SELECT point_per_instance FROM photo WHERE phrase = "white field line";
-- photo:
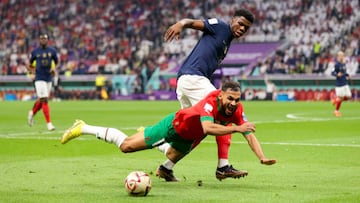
(293, 117)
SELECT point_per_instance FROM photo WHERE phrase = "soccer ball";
(138, 183)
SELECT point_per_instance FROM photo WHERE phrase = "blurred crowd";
(126, 37)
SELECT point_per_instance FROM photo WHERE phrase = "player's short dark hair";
(232, 85)
(245, 13)
(43, 34)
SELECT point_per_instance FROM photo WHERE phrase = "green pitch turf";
(318, 155)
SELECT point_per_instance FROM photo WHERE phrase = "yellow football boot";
(73, 132)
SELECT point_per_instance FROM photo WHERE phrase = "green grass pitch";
(318, 155)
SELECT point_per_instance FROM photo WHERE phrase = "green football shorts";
(164, 131)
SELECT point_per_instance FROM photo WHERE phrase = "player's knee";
(125, 147)
(128, 146)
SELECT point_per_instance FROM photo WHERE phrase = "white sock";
(110, 135)
(223, 162)
(164, 147)
(168, 164)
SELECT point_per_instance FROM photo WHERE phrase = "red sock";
(337, 103)
(46, 111)
(37, 106)
(223, 143)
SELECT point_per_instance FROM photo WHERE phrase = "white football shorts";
(343, 91)
(43, 88)
(192, 88)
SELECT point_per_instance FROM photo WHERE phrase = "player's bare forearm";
(217, 129)
(173, 32)
(211, 128)
(256, 148)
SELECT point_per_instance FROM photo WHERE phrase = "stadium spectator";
(270, 89)
(100, 81)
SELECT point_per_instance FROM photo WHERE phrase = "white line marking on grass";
(301, 117)
(294, 144)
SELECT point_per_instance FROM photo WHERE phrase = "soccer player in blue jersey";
(195, 75)
(43, 62)
(342, 89)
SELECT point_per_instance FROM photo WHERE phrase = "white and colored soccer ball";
(138, 183)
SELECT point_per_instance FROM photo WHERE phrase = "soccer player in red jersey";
(43, 62)
(184, 129)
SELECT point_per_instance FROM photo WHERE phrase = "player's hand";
(173, 32)
(52, 72)
(268, 161)
(246, 127)
(31, 76)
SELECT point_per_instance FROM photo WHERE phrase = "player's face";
(43, 39)
(229, 101)
(340, 57)
(239, 26)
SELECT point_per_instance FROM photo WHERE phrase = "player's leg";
(43, 90)
(224, 169)
(36, 107)
(177, 150)
(165, 170)
(109, 135)
(31, 114)
(340, 94)
(347, 93)
(46, 107)
(150, 137)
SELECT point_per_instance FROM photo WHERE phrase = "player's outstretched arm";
(256, 148)
(173, 32)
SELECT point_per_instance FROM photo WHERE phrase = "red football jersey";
(187, 122)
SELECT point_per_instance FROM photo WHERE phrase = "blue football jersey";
(340, 67)
(43, 59)
(209, 51)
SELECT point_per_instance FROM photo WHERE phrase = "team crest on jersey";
(44, 55)
(49, 54)
(208, 108)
